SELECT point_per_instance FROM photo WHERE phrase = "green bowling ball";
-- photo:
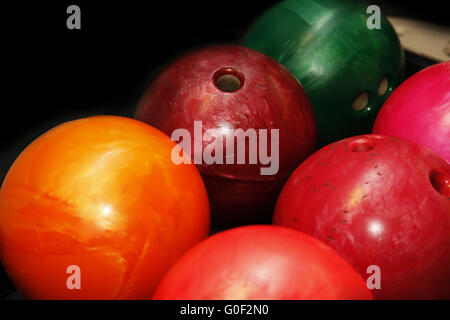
(347, 69)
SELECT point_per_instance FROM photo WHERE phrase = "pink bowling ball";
(419, 110)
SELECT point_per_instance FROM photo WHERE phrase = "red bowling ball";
(419, 110)
(218, 93)
(378, 201)
(261, 262)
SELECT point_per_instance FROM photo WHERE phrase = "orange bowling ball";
(96, 209)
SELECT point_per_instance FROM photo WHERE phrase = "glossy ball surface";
(347, 69)
(100, 193)
(419, 110)
(261, 262)
(377, 200)
(229, 88)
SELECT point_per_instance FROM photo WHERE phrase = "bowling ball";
(95, 209)
(236, 105)
(379, 201)
(346, 69)
(419, 110)
(261, 262)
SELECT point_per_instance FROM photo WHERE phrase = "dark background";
(52, 74)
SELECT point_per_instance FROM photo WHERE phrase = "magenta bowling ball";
(419, 110)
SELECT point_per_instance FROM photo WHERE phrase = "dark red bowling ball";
(377, 200)
(419, 110)
(224, 89)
